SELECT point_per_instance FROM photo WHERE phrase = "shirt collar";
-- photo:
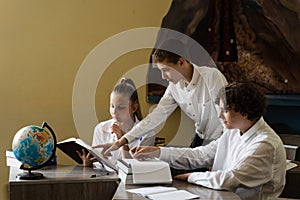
(136, 120)
(248, 134)
(192, 84)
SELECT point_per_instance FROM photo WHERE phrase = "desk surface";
(63, 183)
(56, 175)
(62, 173)
(203, 193)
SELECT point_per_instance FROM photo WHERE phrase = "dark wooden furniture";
(63, 183)
(294, 140)
(292, 186)
(291, 189)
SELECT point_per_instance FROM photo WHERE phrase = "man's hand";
(86, 158)
(104, 148)
(109, 147)
(144, 152)
(183, 177)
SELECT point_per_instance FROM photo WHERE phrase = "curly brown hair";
(245, 98)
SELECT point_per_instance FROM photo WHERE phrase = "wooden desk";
(63, 183)
(292, 185)
(203, 193)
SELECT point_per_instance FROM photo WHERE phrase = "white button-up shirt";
(103, 134)
(195, 98)
(256, 159)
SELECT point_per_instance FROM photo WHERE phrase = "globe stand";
(23, 143)
(30, 175)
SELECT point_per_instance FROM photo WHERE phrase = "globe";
(33, 146)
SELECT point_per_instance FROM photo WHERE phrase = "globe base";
(30, 175)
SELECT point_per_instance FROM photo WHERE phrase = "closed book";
(11, 160)
(9, 153)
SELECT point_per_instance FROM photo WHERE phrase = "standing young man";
(192, 88)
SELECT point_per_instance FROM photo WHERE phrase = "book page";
(290, 165)
(97, 155)
(179, 194)
(145, 191)
(154, 171)
(144, 166)
(82, 143)
(68, 140)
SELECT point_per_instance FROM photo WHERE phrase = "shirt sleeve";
(149, 140)
(101, 136)
(189, 158)
(98, 131)
(250, 170)
(164, 108)
(216, 81)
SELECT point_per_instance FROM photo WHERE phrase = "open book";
(71, 145)
(144, 172)
(290, 165)
(163, 193)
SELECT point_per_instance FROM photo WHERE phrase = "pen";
(102, 174)
(102, 164)
(138, 144)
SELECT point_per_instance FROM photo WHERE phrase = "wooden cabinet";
(63, 183)
(291, 188)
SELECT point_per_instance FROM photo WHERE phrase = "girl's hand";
(115, 128)
(86, 158)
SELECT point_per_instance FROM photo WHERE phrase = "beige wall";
(43, 44)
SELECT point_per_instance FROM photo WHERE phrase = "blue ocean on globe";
(33, 146)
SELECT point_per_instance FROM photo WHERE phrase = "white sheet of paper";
(145, 191)
(179, 194)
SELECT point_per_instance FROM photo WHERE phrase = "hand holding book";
(72, 145)
(86, 157)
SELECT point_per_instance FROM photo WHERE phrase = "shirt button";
(190, 104)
